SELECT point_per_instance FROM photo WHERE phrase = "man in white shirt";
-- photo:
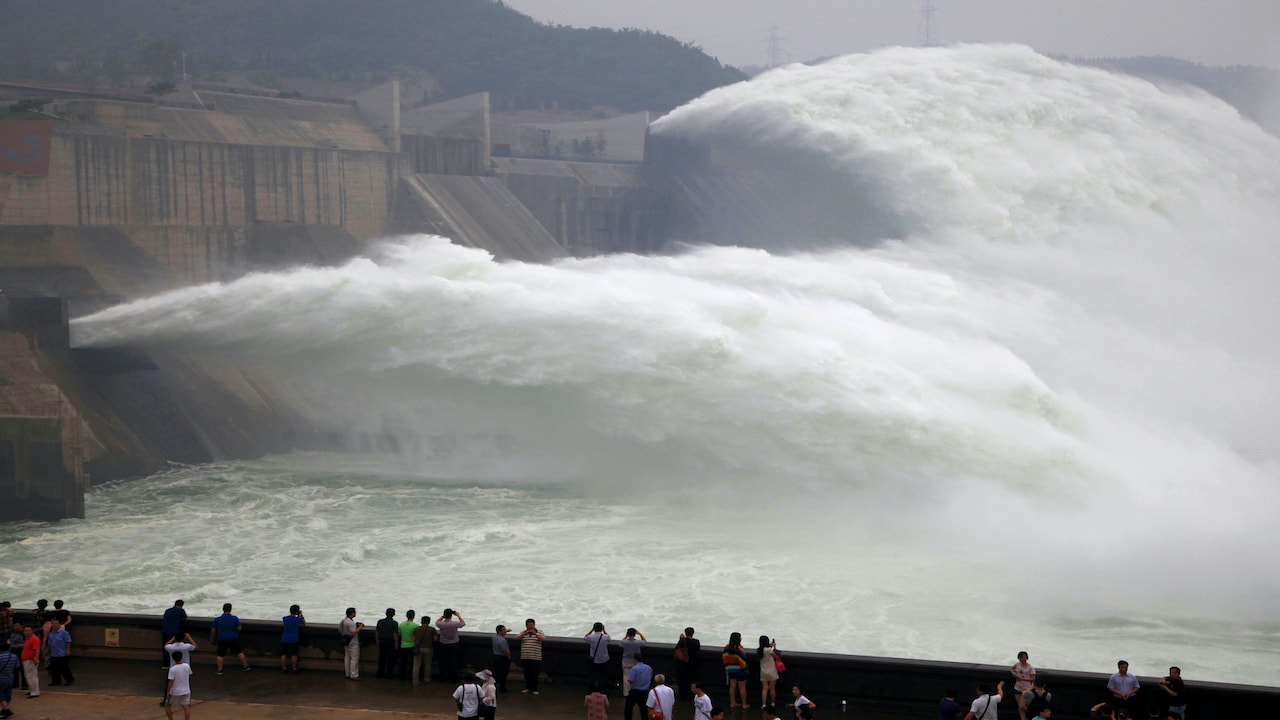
(349, 629)
(468, 695)
(182, 646)
(179, 691)
(985, 707)
(662, 697)
(701, 702)
(598, 648)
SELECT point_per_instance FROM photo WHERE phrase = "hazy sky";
(1213, 32)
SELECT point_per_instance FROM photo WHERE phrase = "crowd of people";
(25, 649)
(408, 650)
(1034, 699)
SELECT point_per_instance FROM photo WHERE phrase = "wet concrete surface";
(132, 689)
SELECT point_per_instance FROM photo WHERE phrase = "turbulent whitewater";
(1036, 414)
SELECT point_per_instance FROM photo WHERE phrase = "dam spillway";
(1061, 335)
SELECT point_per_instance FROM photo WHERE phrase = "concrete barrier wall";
(887, 686)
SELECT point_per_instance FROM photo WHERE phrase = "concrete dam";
(107, 200)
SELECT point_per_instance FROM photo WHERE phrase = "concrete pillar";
(395, 116)
(34, 481)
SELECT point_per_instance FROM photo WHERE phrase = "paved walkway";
(119, 689)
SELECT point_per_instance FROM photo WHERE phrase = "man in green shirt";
(404, 640)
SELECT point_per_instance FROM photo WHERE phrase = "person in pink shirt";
(597, 704)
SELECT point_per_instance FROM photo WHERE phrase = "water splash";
(1061, 365)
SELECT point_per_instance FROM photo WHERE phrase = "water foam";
(1053, 388)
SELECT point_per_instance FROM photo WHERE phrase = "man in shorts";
(225, 630)
(179, 692)
(182, 646)
(290, 637)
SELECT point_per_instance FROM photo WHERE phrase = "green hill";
(465, 46)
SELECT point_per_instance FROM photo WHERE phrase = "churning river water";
(1035, 410)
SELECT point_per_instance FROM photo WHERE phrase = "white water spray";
(1043, 410)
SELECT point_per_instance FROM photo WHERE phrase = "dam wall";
(192, 201)
(477, 212)
(110, 200)
(589, 208)
(861, 686)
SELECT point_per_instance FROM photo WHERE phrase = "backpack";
(1038, 702)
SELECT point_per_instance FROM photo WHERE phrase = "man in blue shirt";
(641, 677)
(290, 637)
(948, 708)
(1122, 686)
(225, 630)
(173, 625)
(501, 657)
(9, 665)
(59, 644)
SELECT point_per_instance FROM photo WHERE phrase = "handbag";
(655, 713)
(681, 654)
(780, 666)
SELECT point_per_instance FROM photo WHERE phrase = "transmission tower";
(927, 32)
(774, 47)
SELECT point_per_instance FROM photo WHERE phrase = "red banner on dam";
(24, 146)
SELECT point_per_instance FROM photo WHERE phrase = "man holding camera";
(349, 629)
(1172, 684)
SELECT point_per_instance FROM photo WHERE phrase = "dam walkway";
(113, 689)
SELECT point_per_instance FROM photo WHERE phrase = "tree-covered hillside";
(465, 46)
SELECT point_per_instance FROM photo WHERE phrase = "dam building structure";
(104, 200)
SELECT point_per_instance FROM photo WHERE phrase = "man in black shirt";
(1177, 692)
(687, 649)
(385, 637)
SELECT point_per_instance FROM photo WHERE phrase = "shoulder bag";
(655, 713)
(681, 653)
